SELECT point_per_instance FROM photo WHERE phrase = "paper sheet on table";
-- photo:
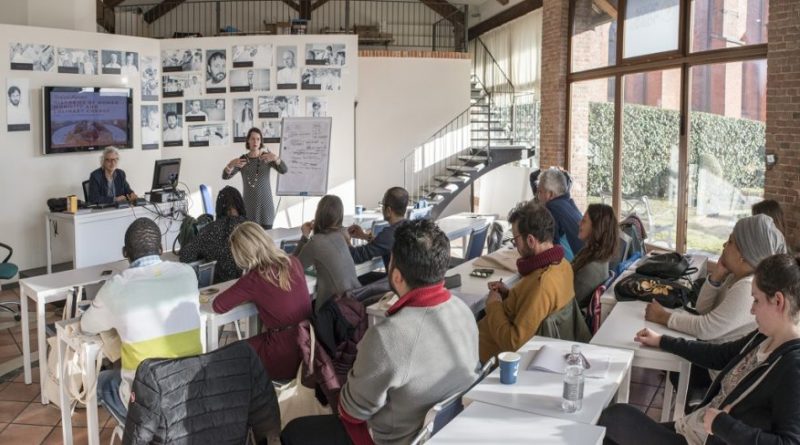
(499, 259)
(550, 359)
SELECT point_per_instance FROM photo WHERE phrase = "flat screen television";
(86, 118)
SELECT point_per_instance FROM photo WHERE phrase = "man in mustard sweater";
(513, 315)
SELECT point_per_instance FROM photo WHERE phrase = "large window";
(592, 148)
(726, 150)
(690, 111)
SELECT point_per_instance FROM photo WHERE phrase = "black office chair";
(8, 271)
(85, 185)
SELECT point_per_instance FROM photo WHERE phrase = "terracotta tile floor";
(24, 420)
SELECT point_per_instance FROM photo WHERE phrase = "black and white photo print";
(31, 57)
(18, 105)
(172, 124)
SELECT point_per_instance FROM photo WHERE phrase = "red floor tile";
(24, 434)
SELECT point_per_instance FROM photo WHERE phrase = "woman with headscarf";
(211, 244)
(725, 298)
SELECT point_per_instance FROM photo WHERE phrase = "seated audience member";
(771, 208)
(108, 184)
(598, 231)
(395, 201)
(725, 296)
(754, 398)
(423, 352)
(553, 193)
(276, 284)
(513, 316)
(153, 305)
(327, 251)
(211, 244)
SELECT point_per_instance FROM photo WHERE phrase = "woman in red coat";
(276, 284)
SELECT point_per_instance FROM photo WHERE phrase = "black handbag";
(670, 266)
(646, 288)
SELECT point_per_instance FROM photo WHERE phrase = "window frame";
(682, 58)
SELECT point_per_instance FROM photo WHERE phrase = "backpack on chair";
(189, 229)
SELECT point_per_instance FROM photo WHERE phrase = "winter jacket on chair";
(339, 326)
(214, 398)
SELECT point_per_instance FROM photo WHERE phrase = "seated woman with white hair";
(108, 184)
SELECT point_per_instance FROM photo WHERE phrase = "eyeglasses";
(112, 159)
(514, 240)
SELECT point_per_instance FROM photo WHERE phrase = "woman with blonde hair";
(276, 284)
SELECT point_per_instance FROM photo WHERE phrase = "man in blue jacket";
(553, 192)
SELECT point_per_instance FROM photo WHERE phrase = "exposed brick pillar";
(555, 44)
(783, 111)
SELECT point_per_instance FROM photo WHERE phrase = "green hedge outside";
(728, 146)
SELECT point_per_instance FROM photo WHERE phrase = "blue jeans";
(108, 394)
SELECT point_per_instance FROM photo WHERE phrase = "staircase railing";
(498, 107)
(431, 158)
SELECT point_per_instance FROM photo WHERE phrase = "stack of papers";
(554, 360)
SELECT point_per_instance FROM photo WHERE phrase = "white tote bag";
(295, 400)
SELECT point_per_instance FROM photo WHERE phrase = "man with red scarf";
(423, 352)
(513, 315)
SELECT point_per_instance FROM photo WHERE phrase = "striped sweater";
(154, 308)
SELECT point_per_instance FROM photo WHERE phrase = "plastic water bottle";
(573, 382)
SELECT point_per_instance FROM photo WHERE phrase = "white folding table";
(618, 331)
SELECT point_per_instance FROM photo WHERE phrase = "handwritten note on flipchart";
(305, 148)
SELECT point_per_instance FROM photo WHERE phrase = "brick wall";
(555, 44)
(783, 110)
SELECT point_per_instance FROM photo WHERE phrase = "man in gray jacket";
(424, 351)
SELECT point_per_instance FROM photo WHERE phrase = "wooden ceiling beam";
(159, 10)
(504, 17)
(607, 7)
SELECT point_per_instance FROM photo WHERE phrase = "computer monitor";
(165, 174)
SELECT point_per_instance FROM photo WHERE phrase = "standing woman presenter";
(255, 166)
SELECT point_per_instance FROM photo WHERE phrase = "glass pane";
(594, 34)
(650, 138)
(726, 151)
(727, 24)
(651, 26)
(592, 141)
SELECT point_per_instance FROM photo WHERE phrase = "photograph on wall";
(18, 105)
(172, 124)
(326, 79)
(316, 106)
(130, 64)
(173, 60)
(287, 74)
(242, 118)
(216, 71)
(271, 131)
(31, 57)
(249, 80)
(151, 127)
(326, 54)
(278, 106)
(252, 56)
(111, 61)
(202, 110)
(77, 61)
(173, 84)
(194, 85)
(208, 135)
(150, 79)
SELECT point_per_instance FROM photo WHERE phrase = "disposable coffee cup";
(509, 367)
(359, 209)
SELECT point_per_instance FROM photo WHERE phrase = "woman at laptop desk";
(108, 184)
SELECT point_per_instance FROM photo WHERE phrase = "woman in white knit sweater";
(724, 301)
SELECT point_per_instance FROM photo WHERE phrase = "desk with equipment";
(96, 236)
